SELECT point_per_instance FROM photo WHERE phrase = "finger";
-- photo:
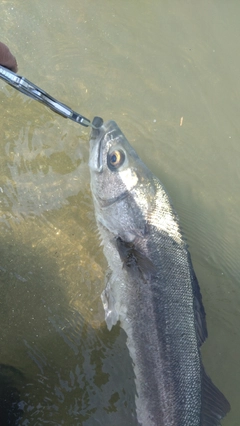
(7, 59)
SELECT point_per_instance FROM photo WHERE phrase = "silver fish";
(152, 288)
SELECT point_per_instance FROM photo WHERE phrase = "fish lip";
(96, 159)
(100, 156)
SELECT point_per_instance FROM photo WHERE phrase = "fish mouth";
(96, 140)
(108, 130)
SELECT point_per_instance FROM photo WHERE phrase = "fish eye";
(115, 159)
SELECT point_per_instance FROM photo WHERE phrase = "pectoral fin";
(134, 260)
(109, 305)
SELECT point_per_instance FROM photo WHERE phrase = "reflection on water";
(145, 66)
(80, 388)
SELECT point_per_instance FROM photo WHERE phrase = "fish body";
(152, 288)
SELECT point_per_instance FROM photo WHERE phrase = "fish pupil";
(113, 159)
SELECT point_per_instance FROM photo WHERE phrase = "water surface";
(168, 73)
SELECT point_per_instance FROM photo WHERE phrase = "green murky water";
(168, 73)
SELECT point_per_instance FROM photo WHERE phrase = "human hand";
(7, 59)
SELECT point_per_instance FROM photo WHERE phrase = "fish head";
(122, 186)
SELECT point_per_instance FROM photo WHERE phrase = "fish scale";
(173, 363)
(152, 289)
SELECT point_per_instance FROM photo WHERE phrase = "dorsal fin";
(199, 311)
(214, 404)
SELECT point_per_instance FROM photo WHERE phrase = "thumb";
(7, 59)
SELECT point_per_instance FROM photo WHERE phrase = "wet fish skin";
(152, 288)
